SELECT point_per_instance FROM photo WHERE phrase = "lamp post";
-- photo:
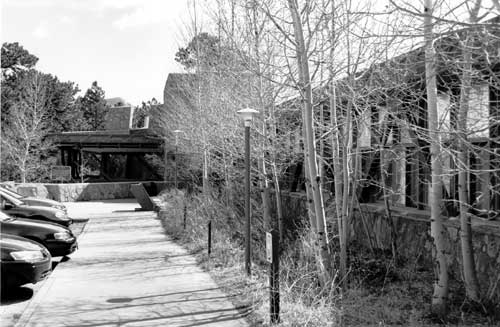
(247, 115)
(176, 132)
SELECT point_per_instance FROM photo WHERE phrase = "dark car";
(18, 208)
(59, 240)
(33, 201)
(23, 261)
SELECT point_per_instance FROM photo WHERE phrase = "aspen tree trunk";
(263, 180)
(385, 131)
(309, 195)
(336, 156)
(321, 165)
(274, 168)
(469, 268)
(346, 174)
(227, 179)
(310, 152)
(23, 173)
(440, 295)
(205, 181)
(337, 171)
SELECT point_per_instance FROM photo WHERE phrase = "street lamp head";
(177, 131)
(247, 115)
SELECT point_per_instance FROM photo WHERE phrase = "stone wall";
(412, 229)
(92, 191)
(370, 227)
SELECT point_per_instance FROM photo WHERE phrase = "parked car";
(22, 261)
(59, 240)
(18, 208)
(33, 201)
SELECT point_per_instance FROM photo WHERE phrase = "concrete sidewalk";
(127, 273)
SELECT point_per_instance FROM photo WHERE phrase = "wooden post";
(80, 165)
(184, 214)
(272, 249)
(63, 158)
(209, 237)
(104, 164)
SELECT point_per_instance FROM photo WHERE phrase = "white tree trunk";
(309, 140)
(440, 295)
(469, 269)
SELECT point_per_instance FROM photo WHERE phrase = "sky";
(127, 46)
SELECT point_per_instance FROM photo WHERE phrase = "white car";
(17, 208)
(32, 201)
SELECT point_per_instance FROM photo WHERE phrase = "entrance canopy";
(118, 151)
(109, 141)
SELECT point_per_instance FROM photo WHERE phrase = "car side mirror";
(8, 206)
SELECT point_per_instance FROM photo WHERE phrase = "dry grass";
(379, 294)
(300, 303)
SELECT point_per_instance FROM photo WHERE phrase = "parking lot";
(14, 302)
(125, 272)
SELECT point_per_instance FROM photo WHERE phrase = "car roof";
(10, 192)
(10, 198)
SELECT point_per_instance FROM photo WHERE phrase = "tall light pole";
(247, 115)
(176, 132)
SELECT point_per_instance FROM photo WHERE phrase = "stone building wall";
(118, 118)
(370, 227)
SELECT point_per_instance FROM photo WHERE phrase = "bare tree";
(312, 177)
(440, 295)
(469, 269)
(23, 138)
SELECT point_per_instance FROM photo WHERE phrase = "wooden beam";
(121, 150)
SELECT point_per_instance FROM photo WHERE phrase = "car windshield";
(11, 193)
(10, 199)
(5, 217)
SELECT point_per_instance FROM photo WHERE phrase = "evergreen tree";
(93, 107)
(16, 58)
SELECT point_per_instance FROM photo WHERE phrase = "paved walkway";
(127, 273)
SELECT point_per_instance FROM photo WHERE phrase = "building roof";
(109, 141)
(117, 102)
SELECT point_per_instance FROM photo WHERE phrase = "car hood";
(40, 202)
(36, 210)
(33, 226)
(11, 243)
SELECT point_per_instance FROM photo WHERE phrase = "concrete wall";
(371, 227)
(92, 191)
(118, 118)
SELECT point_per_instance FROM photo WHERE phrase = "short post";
(184, 207)
(272, 253)
(209, 237)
